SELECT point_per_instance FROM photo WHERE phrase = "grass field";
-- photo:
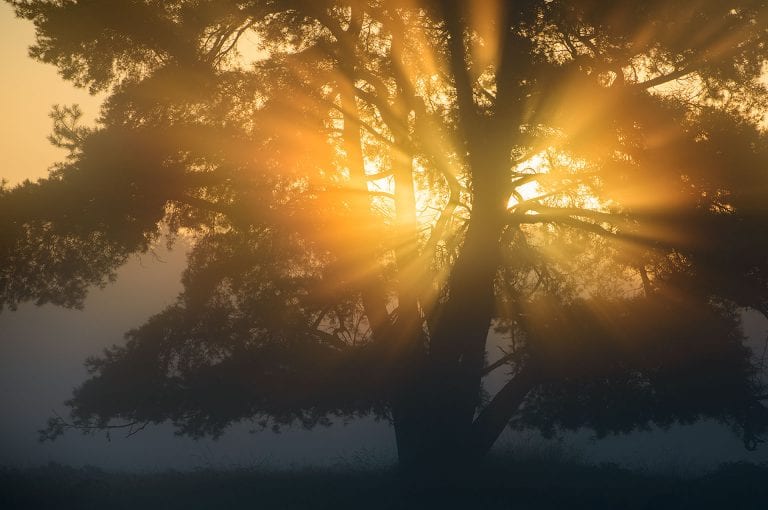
(501, 483)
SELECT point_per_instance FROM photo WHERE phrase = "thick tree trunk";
(432, 449)
(438, 435)
(435, 411)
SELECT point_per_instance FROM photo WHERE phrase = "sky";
(28, 90)
(42, 349)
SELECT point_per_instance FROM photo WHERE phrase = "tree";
(373, 186)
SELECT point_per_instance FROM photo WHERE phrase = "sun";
(527, 175)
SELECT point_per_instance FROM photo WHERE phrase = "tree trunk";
(434, 450)
(435, 410)
(438, 435)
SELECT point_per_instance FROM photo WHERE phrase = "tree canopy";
(372, 186)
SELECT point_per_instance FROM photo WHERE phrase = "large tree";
(370, 187)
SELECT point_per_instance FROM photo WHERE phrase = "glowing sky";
(28, 89)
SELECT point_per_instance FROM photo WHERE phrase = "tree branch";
(665, 78)
(496, 415)
(355, 119)
(498, 363)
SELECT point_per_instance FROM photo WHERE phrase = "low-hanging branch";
(58, 423)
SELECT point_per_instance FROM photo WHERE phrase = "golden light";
(529, 189)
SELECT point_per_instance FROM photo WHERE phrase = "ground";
(501, 483)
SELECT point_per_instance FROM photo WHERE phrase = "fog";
(42, 350)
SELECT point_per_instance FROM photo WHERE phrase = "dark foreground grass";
(501, 483)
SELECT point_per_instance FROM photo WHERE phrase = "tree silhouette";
(371, 187)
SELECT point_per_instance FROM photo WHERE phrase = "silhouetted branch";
(360, 123)
(576, 211)
(57, 425)
(665, 78)
(495, 416)
(566, 220)
(498, 363)
(388, 115)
